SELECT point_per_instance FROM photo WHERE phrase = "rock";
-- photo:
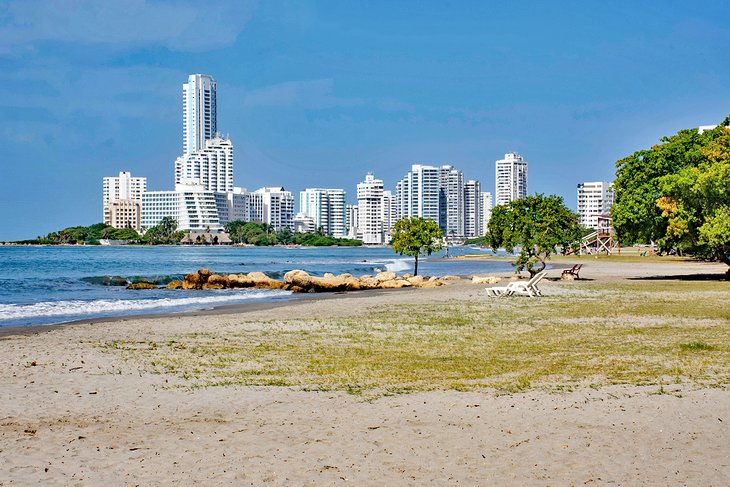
(450, 278)
(211, 285)
(485, 279)
(204, 274)
(392, 284)
(329, 284)
(407, 276)
(415, 280)
(328, 275)
(345, 276)
(386, 276)
(428, 284)
(174, 285)
(292, 275)
(297, 289)
(142, 285)
(239, 280)
(216, 279)
(405, 282)
(432, 279)
(299, 278)
(367, 282)
(365, 276)
(258, 276)
(196, 279)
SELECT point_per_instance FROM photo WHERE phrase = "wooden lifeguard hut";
(602, 240)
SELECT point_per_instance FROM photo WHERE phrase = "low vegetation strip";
(584, 335)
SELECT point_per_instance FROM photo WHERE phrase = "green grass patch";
(643, 332)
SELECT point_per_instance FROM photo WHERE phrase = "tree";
(415, 236)
(164, 232)
(539, 225)
(678, 194)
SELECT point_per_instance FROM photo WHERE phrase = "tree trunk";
(415, 270)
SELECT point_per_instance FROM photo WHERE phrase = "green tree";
(678, 194)
(415, 236)
(539, 225)
(164, 232)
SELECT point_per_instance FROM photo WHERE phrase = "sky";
(318, 93)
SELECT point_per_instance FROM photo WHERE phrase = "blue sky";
(318, 93)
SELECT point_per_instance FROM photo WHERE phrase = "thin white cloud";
(312, 94)
(179, 26)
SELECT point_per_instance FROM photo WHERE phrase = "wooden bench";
(573, 271)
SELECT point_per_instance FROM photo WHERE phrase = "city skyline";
(321, 94)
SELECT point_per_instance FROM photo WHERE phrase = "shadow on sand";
(685, 277)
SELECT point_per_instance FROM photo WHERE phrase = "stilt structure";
(602, 240)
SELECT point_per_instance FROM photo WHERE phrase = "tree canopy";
(539, 225)
(414, 236)
(164, 232)
(254, 233)
(677, 194)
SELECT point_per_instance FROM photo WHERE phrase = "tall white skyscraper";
(486, 198)
(594, 199)
(418, 193)
(452, 209)
(511, 178)
(199, 112)
(327, 207)
(119, 196)
(211, 166)
(390, 213)
(370, 226)
(352, 221)
(472, 209)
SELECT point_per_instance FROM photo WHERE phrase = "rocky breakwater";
(300, 281)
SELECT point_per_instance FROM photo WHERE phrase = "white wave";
(398, 265)
(105, 306)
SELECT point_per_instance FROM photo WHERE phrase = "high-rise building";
(273, 206)
(511, 178)
(199, 112)
(352, 220)
(122, 193)
(211, 166)
(418, 193)
(451, 203)
(327, 207)
(594, 199)
(486, 198)
(390, 213)
(191, 205)
(370, 227)
(472, 210)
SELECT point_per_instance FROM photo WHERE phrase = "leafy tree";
(415, 236)
(538, 225)
(678, 194)
(164, 232)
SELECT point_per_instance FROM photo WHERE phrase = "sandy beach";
(76, 411)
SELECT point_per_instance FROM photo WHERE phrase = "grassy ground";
(581, 334)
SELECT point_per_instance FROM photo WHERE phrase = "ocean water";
(47, 285)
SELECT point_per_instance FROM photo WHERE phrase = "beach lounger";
(519, 288)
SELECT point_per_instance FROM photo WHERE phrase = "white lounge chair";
(520, 288)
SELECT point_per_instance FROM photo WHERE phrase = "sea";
(42, 285)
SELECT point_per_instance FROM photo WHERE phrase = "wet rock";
(239, 281)
(142, 285)
(216, 279)
(174, 285)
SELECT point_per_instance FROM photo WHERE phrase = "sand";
(73, 413)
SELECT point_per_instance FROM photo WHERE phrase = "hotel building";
(199, 112)
(119, 196)
(327, 207)
(511, 178)
(594, 199)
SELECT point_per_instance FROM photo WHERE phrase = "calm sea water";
(45, 285)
